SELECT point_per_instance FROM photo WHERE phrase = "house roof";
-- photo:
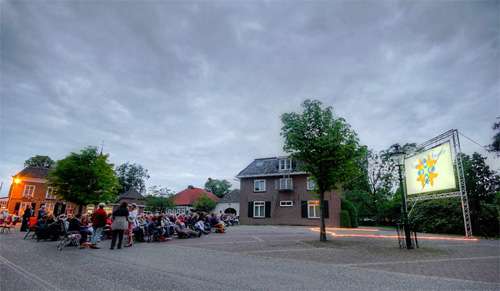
(188, 196)
(233, 197)
(132, 194)
(266, 167)
(34, 172)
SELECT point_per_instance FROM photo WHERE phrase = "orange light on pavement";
(392, 236)
(355, 229)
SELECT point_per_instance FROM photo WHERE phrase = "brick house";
(273, 191)
(30, 186)
(185, 200)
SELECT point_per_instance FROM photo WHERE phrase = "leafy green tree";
(204, 203)
(481, 182)
(219, 188)
(327, 146)
(40, 161)
(438, 216)
(159, 204)
(351, 209)
(494, 147)
(131, 176)
(371, 192)
(159, 191)
(84, 178)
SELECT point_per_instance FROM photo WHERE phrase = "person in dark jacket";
(28, 212)
(98, 223)
(120, 224)
(76, 225)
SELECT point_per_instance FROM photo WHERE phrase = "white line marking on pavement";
(37, 280)
(258, 238)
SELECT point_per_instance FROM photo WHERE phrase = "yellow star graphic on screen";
(431, 177)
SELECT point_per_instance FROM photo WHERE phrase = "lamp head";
(397, 155)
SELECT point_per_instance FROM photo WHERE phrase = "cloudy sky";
(195, 89)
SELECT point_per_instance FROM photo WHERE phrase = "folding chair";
(31, 227)
(69, 238)
(8, 226)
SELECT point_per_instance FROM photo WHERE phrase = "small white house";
(229, 203)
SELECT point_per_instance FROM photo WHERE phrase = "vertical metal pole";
(405, 212)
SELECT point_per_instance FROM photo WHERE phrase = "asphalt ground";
(256, 258)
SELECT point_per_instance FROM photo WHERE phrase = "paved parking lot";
(256, 258)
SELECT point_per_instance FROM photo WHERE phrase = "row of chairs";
(8, 224)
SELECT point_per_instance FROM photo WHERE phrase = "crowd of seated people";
(166, 225)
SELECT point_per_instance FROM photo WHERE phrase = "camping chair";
(31, 227)
(69, 238)
(12, 225)
(151, 232)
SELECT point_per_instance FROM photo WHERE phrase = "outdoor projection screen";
(430, 171)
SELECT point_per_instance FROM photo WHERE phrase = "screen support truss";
(452, 136)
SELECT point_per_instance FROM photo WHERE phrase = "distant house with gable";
(132, 196)
(229, 203)
(184, 200)
(274, 191)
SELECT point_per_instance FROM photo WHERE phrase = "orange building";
(30, 186)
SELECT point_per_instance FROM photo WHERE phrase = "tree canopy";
(219, 188)
(131, 176)
(159, 191)
(204, 203)
(326, 146)
(371, 192)
(494, 147)
(40, 161)
(84, 178)
(159, 203)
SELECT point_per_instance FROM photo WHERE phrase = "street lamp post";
(398, 157)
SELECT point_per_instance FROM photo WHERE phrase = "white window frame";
(285, 164)
(310, 184)
(29, 190)
(313, 210)
(261, 205)
(261, 186)
(48, 194)
(286, 184)
(287, 203)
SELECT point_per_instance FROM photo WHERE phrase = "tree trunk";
(322, 229)
(80, 208)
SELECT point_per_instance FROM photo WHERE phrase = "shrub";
(345, 220)
(351, 209)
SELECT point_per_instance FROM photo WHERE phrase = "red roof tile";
(188, 196)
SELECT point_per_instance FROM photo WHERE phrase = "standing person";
(120, 224)
(132, 217)
(98, 223)
(28, 212)
(41, 211)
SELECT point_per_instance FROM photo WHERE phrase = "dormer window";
(285, 164)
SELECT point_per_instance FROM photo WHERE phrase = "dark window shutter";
(268, 208)
(250, 209)
(326, 211)
(303, 208)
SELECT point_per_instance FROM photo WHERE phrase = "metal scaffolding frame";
(452, 137)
